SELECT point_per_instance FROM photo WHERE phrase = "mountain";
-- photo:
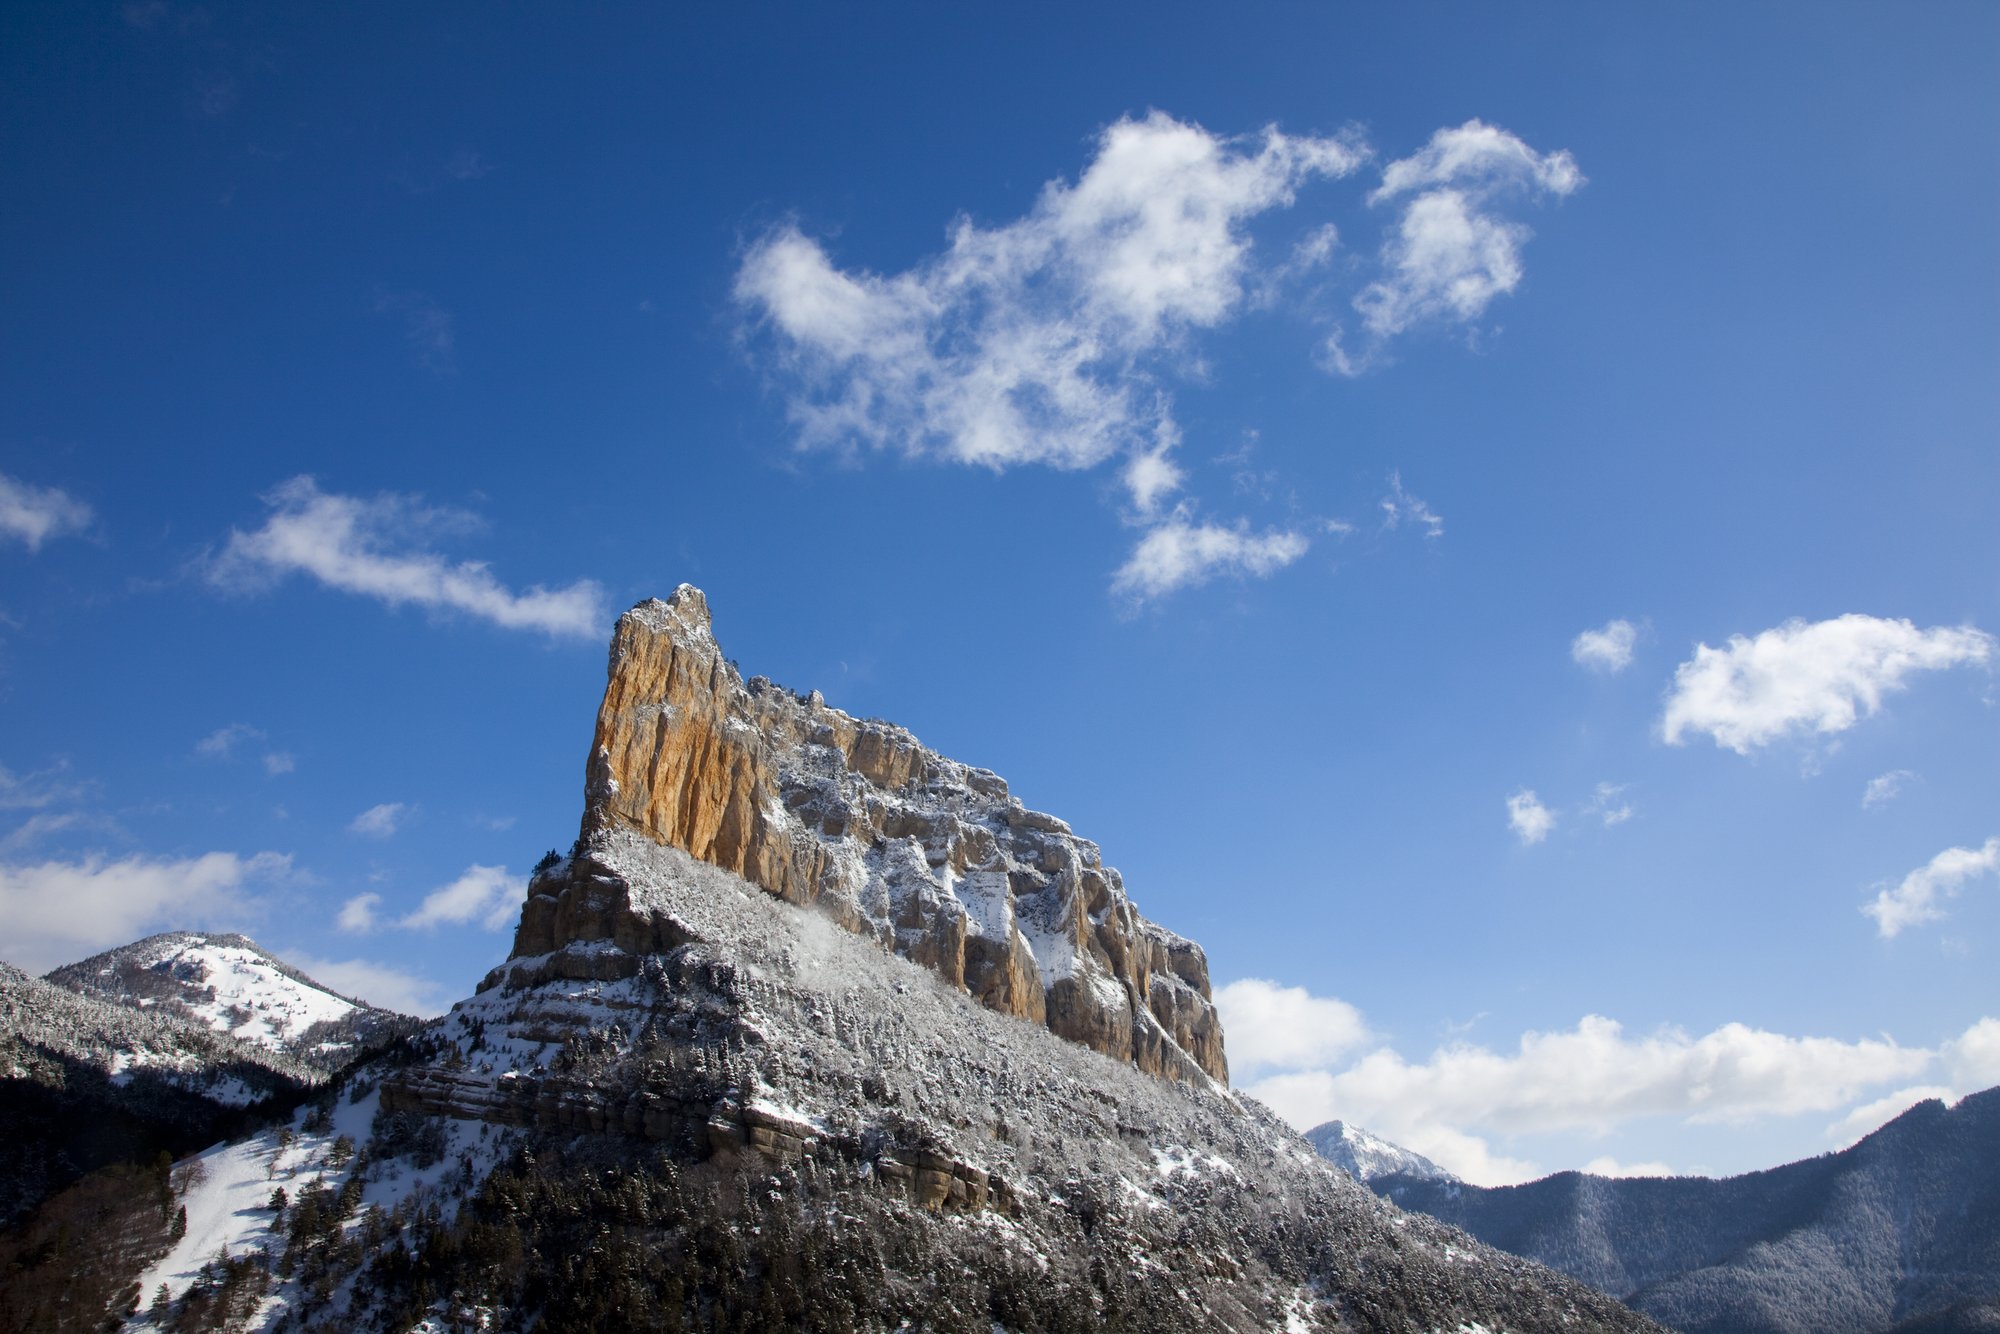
(228, 984)
(1365, 1156)
(1900, 1232)
(169, 1043)
(817, 1029)
(85, 1082)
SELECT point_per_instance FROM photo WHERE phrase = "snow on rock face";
(931, 857)
(694, 1016)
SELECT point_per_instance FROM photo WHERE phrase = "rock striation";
(857, 818)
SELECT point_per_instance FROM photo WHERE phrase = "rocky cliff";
(930, 857)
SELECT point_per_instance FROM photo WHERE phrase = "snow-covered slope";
(229, 985)
(718, 1102)
(1366, 1156)
(85, 1081)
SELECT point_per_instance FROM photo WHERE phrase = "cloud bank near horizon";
(1312, 1059)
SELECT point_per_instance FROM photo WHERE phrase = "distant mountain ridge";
(231, 985)
(169, 1043)
(1900, 1231)
(1366, 1157)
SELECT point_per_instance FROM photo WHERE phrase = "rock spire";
(855, 817)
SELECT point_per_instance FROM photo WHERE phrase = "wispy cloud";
(1608, 649)
(1055, 339)
(486, 895)
(38, 790)
(32, 515)
(380, 821)
(358, 913)
(1400, 507)
(429, 330)
(225, 741)
(1807, 678)
(1608, 804)
(1528, 818)
(221, 744)
(1885, 788)
(59, 911)
(1179, 552)
(467, 165)
(1917, 898)
(368, 545)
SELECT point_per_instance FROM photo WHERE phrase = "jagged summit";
(931, 857)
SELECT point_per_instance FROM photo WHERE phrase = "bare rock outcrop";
(855, 817)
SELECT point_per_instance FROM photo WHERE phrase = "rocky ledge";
(857, 818)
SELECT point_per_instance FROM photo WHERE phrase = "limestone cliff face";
(931, 857)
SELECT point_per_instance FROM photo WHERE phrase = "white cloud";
(378, 984)
(1608, 805)
(1024, 343)
(1870, 1117)
(1607, 650)
(1049, 339)
(358, 913)
(1180, 552)
(1916, 898)
(1528, 818)
(1477, 155)
(1610, 1167)
(38, 790)
(1971, 1062)
(1450, 255)
(1820, 677)
(1974, 1056)
(1884, 788)
(221, 744)
(60, 911)
(1150, 475)
(483, 894)
(1400, 507)
(1272, 1027)
(1592, 1079)
(32, 515)
(366, 546)
(380, 821)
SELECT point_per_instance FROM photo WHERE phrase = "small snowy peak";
(232, 987)
(1365, 1157)
(45, 1029)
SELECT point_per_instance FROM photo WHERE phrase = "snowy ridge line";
(230, 985)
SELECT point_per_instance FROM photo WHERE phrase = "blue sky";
(1485, 513)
